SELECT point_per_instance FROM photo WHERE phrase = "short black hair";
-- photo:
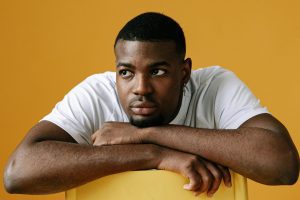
(153, 27)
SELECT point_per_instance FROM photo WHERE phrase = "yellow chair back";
(152, 185)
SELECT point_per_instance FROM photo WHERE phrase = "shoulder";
(95, 95)
(105, 80)
(97, 85)
(211, 78)
(203, 75)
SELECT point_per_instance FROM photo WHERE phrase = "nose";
(142, 85)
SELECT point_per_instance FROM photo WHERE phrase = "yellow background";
(47, 47)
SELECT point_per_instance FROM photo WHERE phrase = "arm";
(261, 149)
(49, 160)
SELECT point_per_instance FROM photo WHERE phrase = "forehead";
(127, 51)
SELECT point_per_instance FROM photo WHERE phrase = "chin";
(143, 122)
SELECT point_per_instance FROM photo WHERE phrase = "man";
(154, 113)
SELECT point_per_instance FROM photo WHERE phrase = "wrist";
(148, 134)
(156, 155)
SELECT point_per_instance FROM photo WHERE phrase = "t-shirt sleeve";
(234, 102)
(77, 113)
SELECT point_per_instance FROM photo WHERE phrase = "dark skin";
(48, 160)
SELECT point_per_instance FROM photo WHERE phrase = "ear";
(186, 70)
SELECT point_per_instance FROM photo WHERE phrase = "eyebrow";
(152, 65)
(125, 65)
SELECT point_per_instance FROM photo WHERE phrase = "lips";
(143, 108)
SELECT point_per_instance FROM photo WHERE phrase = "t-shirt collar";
(182, 114)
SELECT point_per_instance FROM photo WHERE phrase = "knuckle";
(217, 175)
(190, 163)
(215, 187)
(206, 179)
(227, 173)
(194, 179)
(189, 173)
(187, 166)
(194, 186)
(194, 159)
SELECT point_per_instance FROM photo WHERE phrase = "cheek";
(169, 93)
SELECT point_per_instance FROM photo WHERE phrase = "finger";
(93, 137)
(217, 174)
(206, 177)
(226, 175)
(195, 180)
(96, 140)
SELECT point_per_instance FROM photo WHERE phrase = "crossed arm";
(260, 149)
(49, 160)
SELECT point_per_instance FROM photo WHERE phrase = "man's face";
(150, 78)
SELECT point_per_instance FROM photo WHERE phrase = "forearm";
(52, 166)
(256, 153)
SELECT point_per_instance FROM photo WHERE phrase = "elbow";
(287, 172)
(12, 179)
(279, 167)
(284, 165)
(292, 167)
(10, 186)
(289, 178)
(290, 174)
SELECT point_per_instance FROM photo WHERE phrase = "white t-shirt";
(214, 98)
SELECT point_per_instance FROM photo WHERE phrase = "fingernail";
(210, 194)
(186, 186)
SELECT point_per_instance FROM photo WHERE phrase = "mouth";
(143, 108)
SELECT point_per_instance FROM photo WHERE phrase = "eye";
(157, 72)
(125, 73)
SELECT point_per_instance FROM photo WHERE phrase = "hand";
(113, 133)
(204, 176)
